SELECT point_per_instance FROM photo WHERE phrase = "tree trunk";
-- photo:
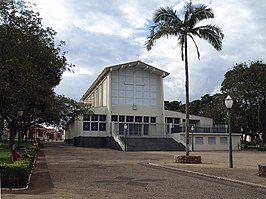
(187, 98)
(263, 121)
(1, 127)
(12, 135)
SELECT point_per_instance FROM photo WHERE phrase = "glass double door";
(135, 129)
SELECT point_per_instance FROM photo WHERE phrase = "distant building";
(128, 106)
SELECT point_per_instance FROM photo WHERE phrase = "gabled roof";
(138, 64)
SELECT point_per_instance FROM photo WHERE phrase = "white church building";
(128, 114)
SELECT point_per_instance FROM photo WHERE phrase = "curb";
(210, 176)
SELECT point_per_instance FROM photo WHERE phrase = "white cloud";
(108, 32)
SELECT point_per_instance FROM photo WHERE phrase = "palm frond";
(167, 15)
(158, 31)
(197, 48)
(166, 23)
(198, 14)
(212, 34)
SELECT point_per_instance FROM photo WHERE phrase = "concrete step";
(153, 144)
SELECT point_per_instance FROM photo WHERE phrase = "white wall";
(206, 146)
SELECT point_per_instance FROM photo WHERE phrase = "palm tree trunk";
(187, 98)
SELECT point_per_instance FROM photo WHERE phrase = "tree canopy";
(246, 84)
(31, 64)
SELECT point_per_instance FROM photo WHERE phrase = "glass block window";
(223, 140)
(129, 118)
(198, 140)
(153, 119)
(138, 119)
(102, 126)
(86, 126)
(121, 118)
(86, 117)
(94, 118)
(114, 118)
(211, 140)
(102, 117)
(94, 126)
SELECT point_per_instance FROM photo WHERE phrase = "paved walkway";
(58, 165)
(245, 165)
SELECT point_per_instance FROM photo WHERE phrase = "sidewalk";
(245, 165)
(64, 171)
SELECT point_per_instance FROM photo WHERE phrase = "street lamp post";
(229, 104)
(20, 113)
(192, 139)
(125, 133)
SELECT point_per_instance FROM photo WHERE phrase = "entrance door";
(134, 129)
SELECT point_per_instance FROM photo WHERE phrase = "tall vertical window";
(86, 126)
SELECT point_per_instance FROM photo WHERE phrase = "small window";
(114, 118)
(176, 120)
(121, 118)
(223, 140)
(94, 126)
(153, 119)
(146, 119)
(102, 126)
(86, 126)
(199, 140)
(86, 117)
(211, 140)
(102, 117)
(94, 118)
(129, 118)
(169, 120)
(138, 119)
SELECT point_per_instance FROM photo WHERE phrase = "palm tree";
(168, 23)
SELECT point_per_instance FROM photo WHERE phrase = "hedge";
(16, 175)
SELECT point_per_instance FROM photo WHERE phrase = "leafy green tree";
(168, 22)
(211, 106)
(246, 84)
(173, 106)
(31, 65)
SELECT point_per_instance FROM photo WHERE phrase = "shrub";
(16, 175)
(262, 148)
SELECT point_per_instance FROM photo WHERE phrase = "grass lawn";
(5, 154)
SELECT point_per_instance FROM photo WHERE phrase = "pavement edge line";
(210, 176)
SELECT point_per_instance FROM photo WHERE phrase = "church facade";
(128, 103)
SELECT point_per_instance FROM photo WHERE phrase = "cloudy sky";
(101, 33)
